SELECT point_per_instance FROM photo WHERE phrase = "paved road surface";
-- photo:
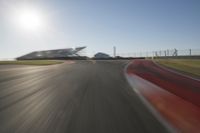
(83, 97)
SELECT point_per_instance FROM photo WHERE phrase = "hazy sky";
(130, 25)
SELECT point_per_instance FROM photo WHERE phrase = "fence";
(163, 53)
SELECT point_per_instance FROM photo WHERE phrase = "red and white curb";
(177, 114)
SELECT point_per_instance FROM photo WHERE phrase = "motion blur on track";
(80, 97)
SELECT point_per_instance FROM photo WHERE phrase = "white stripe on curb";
(147, 103)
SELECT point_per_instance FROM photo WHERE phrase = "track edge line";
(155, 113)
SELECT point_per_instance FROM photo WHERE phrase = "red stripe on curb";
(184, 87)
(179, 108)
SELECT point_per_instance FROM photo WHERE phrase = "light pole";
(114, 51)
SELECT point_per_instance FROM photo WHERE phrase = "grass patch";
(186, 66)
(31, 62)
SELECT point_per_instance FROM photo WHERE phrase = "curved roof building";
(53, 54)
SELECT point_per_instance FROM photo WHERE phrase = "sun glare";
(29, 19)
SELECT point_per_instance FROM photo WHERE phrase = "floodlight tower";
(114, 51)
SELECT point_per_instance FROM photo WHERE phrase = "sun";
(29, 19)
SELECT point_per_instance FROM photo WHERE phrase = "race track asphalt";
(83, 97)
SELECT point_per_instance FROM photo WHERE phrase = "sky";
(130, 25)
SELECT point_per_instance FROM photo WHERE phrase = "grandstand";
(69, 53)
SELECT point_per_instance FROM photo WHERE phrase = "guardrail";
(164, 53)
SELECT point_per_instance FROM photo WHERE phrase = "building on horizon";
(68, 53)
(101, 55)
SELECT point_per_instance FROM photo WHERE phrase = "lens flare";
(29, 19)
